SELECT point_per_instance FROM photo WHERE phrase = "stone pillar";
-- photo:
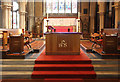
(119, 12)
(92, 16)
(44, 7)
(84, 16)
(31, 15)
(116, 14)
(22, 11)
(38, 16)
(110, 9)
(9, 16)
(101, 14)
(6, 9)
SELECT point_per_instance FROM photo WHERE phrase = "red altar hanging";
(63, 28)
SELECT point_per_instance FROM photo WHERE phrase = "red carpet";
(63, 66)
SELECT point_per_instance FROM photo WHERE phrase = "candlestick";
(47, 25)
(78, 15)
(47, 15)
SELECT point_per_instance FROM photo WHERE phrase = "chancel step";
(63, 74)
(18, 61)
(97, 67)
(63, 67)
(63, 62)
(27, 74)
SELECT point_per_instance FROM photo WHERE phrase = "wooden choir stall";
(62, 43)
(16, 44)
(110, 43)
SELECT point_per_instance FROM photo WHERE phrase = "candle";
(78, 14)
(47, 15)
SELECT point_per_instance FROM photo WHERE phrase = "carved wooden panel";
(64, 43)
(110, 44)
(16, 44)
(60, 43)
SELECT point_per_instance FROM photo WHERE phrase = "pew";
(4, 35)
(111, 31)
(110, 43)
(16, 44)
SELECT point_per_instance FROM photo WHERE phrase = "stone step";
(17, 61)
(32, 61)
(105, 61)
(64, 74)
(60, 80)
(16, 74)
(17, 67)
(97, 67)
(27, 75)
(108, 75)
(63, 67)
(61, 61)
(105, 67)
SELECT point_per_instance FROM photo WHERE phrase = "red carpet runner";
(63, 66)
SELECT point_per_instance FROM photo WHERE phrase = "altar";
(63, 43)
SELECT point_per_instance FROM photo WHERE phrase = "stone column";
(101, 14)
(110, 9)
(116, 14)
(119, 12)
(38, 16)
(22, 11)
(6, 8)
(31, 15)
(44, 7)
(9, 16)
(92, 16)
(101, 20)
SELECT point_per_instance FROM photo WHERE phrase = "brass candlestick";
(47, 25)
